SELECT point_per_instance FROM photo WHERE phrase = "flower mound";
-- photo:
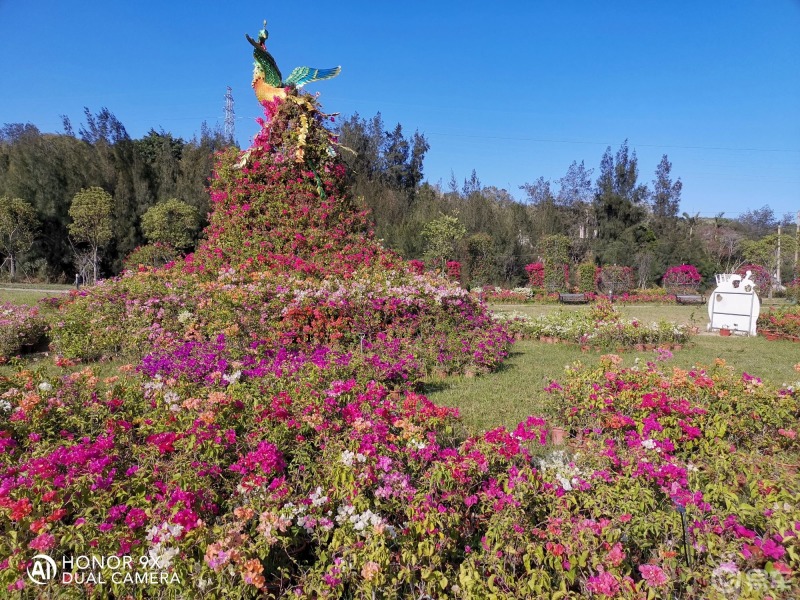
(287, 262)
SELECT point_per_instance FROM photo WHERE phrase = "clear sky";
(515, 90)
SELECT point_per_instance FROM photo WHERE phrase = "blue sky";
(514, 90)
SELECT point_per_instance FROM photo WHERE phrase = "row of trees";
(615, 218)
(46, 172)
(169, 226)
(612, 218)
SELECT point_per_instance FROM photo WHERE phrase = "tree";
(618, 206)
(576, 185)
(18, 223)
(758, 222)
(548, 217)
(91, 221)
(171, 222)
(666, 198)
(441, 236)
(764, 252)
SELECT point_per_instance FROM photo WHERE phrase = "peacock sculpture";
(268, 83)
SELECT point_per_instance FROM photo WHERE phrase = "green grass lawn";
(29, 293)
(516, 390)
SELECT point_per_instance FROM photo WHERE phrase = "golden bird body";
(266, 92)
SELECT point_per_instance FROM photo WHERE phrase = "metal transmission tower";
(230, 118)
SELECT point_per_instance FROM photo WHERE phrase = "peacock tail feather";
(303, 75)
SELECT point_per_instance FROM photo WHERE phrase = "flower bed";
(521, 295)
(780, 323)
(434, 324)
(300, 475)
(528, 295)
(20, 326)
(602, 327)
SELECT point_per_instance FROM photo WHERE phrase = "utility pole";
(779, 256)
(796, 242)
(230, 118)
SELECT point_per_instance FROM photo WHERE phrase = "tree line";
(151, 194)
(614, 218)
(46, 172)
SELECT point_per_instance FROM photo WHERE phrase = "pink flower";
(604, 583)
(653, 575)
(616, 555)
(43, 542)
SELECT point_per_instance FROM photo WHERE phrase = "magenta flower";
(136, 518)
(605, 584)
(653, 575)
(43, 542)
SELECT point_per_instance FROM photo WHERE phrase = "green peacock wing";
(272, 74)
(303, 75)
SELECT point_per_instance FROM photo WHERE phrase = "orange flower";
(243, 513)
(370, 570)
(252, 572)
(29, 401)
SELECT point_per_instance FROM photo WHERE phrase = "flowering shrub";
(301, 475)
(416, 266)
(681, 278)
(535, 273)
(793, 290)
(454, 269)
(20, 326)
(602, 327)
(760, 276)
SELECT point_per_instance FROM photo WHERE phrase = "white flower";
(232, 378)
(184, 316)
(650, 444)
(347, 458)
(317, 497)
(5, 405)
(416, 444)
(162, 558)
(45, 387)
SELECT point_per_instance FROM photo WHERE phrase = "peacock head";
(262, 34)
